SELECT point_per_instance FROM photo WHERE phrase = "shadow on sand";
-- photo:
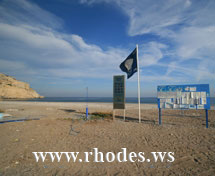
(68, 110)
(136, 120)
(183, 115)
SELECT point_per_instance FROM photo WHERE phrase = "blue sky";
(62, 46)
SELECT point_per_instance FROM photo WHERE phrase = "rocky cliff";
(12, 88)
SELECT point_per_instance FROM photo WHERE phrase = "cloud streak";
(186, 26)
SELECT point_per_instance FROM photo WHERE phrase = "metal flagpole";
(138, 77)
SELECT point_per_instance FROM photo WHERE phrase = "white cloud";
(23, 12)
(18, 69)
(11, 66)
(188, 27)
(195, 42)
(51, 48)
(148, 16)
(46, 51)
(32, 36)
(151, 53)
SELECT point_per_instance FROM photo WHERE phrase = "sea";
(148, 100)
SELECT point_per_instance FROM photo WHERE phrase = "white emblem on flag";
(128, 64)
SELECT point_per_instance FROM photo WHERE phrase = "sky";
(60, 47)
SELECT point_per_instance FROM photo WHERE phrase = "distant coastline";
(147, 100)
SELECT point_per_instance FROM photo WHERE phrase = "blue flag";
(129, 65)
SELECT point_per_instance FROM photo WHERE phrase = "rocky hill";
(14, 89)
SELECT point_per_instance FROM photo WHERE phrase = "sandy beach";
(58, 127)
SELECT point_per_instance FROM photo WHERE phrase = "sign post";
(118, 93)
(159, 116)
(206, 116)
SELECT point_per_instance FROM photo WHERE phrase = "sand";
(181, 132)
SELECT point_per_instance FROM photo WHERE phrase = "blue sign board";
(194, 96)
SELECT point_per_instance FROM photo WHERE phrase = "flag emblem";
(129, 65)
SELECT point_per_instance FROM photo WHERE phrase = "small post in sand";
(206, 116)
(160, 116)
(87, 104)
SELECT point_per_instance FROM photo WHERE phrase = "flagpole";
(138, 78)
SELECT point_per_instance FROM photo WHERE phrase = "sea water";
(147, 100)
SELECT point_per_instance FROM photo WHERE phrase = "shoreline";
(109, 104)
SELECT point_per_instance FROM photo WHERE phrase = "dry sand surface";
(182, 132)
